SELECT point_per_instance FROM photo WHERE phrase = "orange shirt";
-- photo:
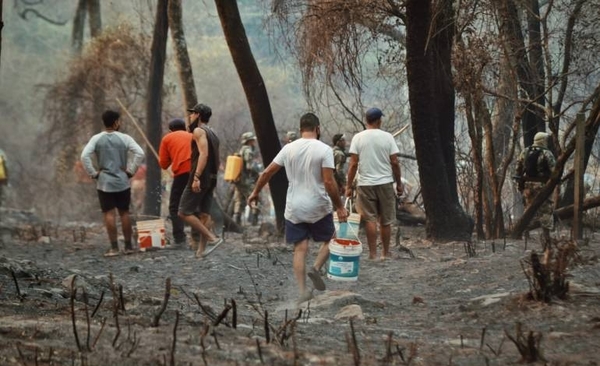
(176, 151)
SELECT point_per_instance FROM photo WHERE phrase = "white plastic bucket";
(349, 231)
(151, 234)
(344, 258)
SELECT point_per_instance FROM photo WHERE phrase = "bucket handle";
(349, 226)
(348, 204)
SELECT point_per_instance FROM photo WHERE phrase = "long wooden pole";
(139, 128)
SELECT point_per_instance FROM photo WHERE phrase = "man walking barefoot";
(112, 175)
(374, 154)
(312, 188)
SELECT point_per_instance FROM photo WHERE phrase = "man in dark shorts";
(309, 167)
(197, 196)
(112, 175)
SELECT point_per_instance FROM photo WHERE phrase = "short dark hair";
(110, 117)
(177, 124)
(309, 122)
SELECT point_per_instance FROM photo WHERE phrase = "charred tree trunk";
(181, 55)
(475, 134)
(1, 26)
(510, 28)
(431, 97)
(258, 99)
(154, 109)
(78, 26)
(95, 18)
(98, 94)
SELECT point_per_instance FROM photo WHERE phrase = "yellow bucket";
(233, 168)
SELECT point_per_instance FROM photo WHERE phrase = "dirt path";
(431, 310)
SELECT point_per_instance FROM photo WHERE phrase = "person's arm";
(397, 175)
(202, 143)
(138, 156)
(86, 158)
(334, 194)
(164, 157)
(352, 168)
(263, 179)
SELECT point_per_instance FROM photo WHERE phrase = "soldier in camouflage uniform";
(534, 166)
(245, 184)
(339, 159)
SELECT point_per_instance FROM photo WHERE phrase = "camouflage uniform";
(245, 185)
(532, 186)
(339, 159)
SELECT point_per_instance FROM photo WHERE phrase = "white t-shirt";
(374, 147)
(307, 200)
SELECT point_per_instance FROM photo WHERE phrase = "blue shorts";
(321, 230)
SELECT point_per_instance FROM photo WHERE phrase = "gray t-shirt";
(111, 151)
(307, 200)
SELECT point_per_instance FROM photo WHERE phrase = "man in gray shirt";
(112, 175)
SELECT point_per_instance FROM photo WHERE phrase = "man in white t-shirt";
(309, 167)
(374, 154)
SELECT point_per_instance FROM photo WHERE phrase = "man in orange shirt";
(175, 151)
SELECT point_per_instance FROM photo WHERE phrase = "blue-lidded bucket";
(344, 258)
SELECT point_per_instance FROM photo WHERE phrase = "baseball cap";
(201, 108)
(373, 114)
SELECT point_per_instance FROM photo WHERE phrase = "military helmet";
(247, 136)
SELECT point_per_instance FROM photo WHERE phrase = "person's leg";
(196, 203)
(204, 217)
(299, 264)
(322, 256)
(110, 223)
(107, 205)
(179, 183)
(238, 205)
(127, 228)
(386, 232)
(371, 230)
(122, 202)
(387, 215)
(366, 205)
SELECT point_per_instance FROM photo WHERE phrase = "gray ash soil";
(441, 308)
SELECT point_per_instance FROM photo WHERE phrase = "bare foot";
(386, 256)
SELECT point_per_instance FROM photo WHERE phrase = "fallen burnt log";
(410, 213)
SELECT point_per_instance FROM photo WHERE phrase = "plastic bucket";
(151, 234)
(349, 230)
(233, 168)
(344, 258)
